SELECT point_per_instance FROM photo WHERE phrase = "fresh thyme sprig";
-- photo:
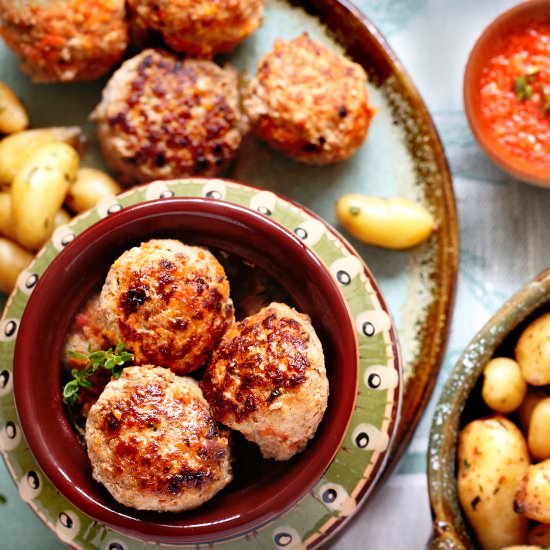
(112, 360)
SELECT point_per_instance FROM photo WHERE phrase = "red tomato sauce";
(519, 125)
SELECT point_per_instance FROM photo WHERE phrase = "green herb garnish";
(112, 360)
(522, 85)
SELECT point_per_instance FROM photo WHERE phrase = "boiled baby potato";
(13, 117)
(540, 535)
(533, 495)
(538, 437)
(15, 150)
(39, 190)
(89, 188)
(527, 406)
(533, 351)
(13, 259)
(390, 223)
(492, 459)
(503, 385)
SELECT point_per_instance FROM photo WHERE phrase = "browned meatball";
(65, 40)
(168, 302)
(309, 102)
(163, 118)
(153, 443)
(267, 379)
(200, 28)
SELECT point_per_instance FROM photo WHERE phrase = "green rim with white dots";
(363, 452)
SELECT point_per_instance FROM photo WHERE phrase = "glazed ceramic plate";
(402, 156)
(461, 402)
(363, 453)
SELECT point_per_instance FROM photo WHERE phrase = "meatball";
(65, 40)
(153, 443)
(168, 302)
(309, 102)
(267, 380)
(200, 28)
(86, 334)
(162, 117)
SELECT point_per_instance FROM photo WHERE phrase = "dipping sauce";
(515, 91)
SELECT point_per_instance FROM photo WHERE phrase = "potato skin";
(13, 117)
(492, 459)
(38, 191)
(538, 437)
(503, 385)
(90, 186)
(15, 150)
(525, 411)
(533, 351)
(13, 259)
(395, 223)
(533, 496)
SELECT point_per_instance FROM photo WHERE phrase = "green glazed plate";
(364, 450)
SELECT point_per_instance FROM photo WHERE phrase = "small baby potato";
(13, 117)
(492, 459)
(533, 496)
(538, 437)
(527, 406)
(90, 187)
(38, 191)
(503, 385)
(390, 223)
(13, 259)
(533, 351)
(15, 150)
(539, 535)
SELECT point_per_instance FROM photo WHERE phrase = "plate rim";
(319, 536)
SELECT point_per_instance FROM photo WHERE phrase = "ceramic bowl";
(479, 56)
(461, 402)
(263, 489)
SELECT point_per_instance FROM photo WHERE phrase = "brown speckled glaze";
(460, 402)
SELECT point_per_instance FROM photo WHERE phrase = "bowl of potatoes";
(489, 453)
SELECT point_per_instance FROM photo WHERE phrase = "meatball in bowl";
(168, 455)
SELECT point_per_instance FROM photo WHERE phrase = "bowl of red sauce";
(507, 91)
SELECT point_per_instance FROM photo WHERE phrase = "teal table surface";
(504, 243)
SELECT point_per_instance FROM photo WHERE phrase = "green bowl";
(461, 402)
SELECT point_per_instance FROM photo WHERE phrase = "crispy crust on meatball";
(162, 117)
(65, 40)
(200, 28)
(168, 302)
(153, 443)
(309, 102)
(267, 379)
